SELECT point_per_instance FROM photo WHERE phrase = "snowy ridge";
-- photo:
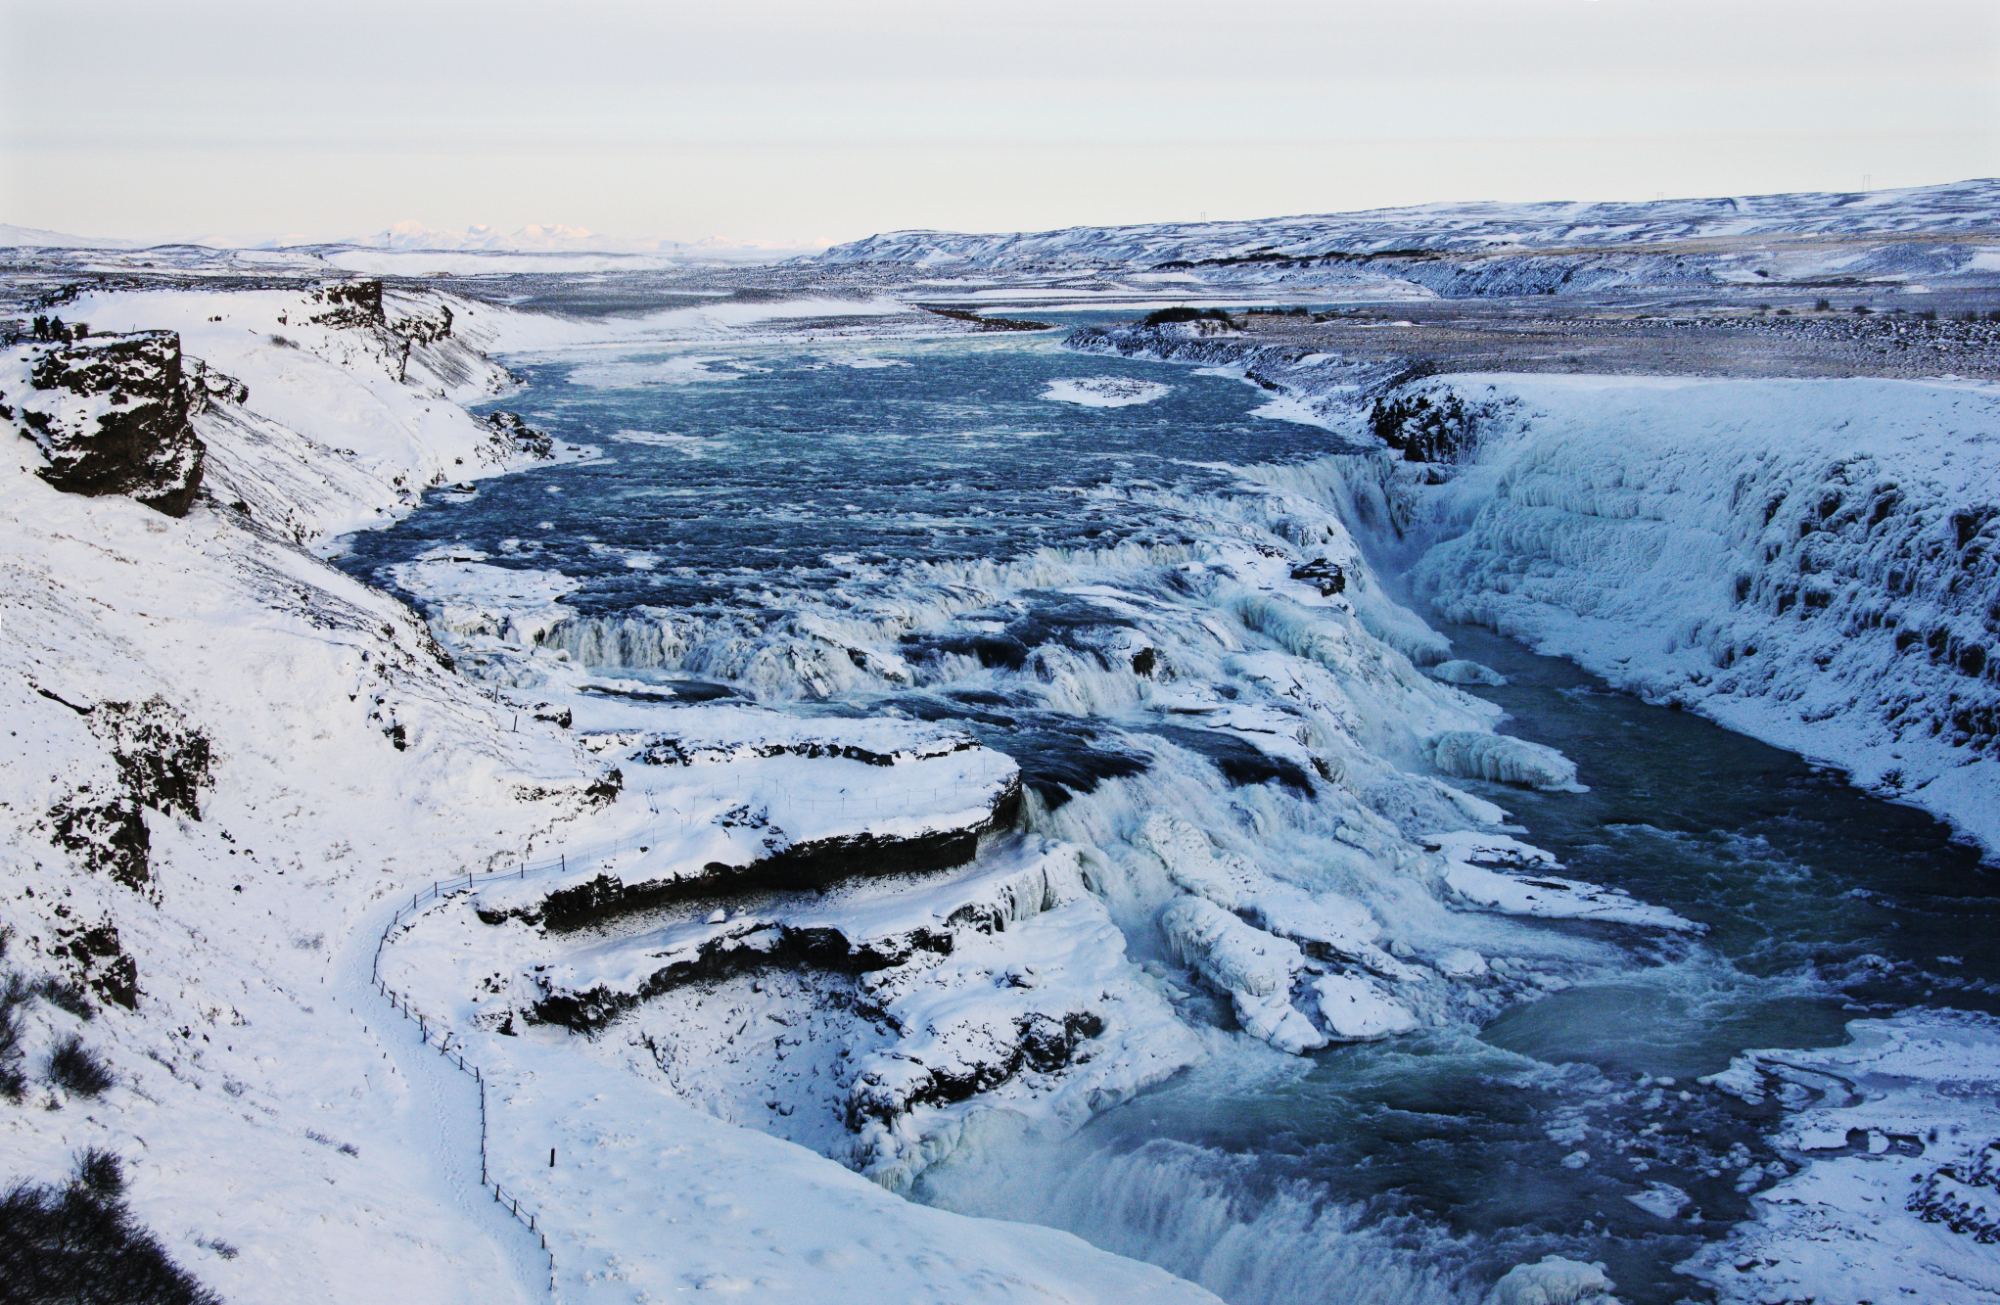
(236, 750)
(1472, 228)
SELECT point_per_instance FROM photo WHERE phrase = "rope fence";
(400, 1004)
(641, 841)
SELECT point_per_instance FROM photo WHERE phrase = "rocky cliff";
(109, 414)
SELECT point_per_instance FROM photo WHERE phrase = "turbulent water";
(919, 528)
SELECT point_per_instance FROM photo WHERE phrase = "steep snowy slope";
(220, 751)
(1810, 562)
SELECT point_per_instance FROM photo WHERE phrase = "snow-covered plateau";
(490, 940)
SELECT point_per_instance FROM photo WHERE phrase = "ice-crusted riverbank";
(1810, 562)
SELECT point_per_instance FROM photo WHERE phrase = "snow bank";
(1816, 563)
(1899, 1193)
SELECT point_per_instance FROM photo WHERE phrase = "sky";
(800, 123)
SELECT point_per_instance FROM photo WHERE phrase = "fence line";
(401, 1005)
(559, 863)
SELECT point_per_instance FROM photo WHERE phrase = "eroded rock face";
(110, 414)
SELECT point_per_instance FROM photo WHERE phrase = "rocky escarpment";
(108, 412)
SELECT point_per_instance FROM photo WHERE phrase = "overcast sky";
(796, 122)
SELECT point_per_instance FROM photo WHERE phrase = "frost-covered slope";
(220, 751)
(1469, 228)
(1812, 562)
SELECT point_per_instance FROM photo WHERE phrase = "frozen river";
(897, 502)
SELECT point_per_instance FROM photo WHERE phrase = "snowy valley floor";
(237, 767)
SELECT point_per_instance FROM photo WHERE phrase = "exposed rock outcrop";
(110, 415)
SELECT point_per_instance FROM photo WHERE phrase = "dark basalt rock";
(349, 303)
(813, 864)
(517, 437)
(1325, 575)
(110, 414)
(1039, 1042)
(1428, 428)
(106, 967)
(162, 762)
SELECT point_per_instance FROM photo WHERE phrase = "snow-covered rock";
(109, 414)
(1460, 671)
(1356, 1009)
(1552, 1280)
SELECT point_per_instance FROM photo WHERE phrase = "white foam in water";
(672, 371)
(1284, 842)
(1195, 1213)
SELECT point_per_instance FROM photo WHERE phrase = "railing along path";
(908, 800)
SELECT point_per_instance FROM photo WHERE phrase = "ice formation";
(1552, 1281)
(1502, 759)
(1808, 561)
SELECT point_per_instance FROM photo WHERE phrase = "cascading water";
(959, 531)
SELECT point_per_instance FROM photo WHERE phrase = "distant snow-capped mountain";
(556, 238)
(13, 237)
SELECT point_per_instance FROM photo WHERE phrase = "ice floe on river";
(1106, 391)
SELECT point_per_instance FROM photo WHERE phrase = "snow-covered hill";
(1816, 563)
(1960, 208)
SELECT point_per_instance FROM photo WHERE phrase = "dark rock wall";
(110, 414)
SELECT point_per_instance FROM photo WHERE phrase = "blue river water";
(747, 485)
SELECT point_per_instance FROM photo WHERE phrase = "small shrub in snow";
(75, 1068)
(101, 1172)
(1168, 316)
(78, 1243)
(65, 994)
